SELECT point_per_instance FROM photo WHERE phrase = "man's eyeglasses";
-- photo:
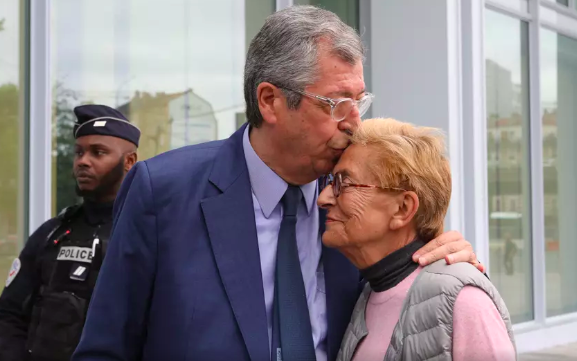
(340, 107)
(336, 181)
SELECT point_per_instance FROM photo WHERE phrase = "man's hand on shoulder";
(451, 246)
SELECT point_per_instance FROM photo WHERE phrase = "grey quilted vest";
(425, 326)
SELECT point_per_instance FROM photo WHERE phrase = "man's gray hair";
(285, 53)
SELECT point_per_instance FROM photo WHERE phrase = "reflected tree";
(8, 159)
(63, 150)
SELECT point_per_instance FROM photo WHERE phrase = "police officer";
(44, 302)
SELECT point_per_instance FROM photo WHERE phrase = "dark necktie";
(291, 323)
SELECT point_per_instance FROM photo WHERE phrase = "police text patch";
(78, 254)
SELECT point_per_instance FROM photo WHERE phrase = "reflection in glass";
(518, 5)
(507, 85)
(12, 163)
(174, 69)
(559, 94)
(347, 10)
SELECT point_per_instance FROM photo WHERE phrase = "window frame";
(40, 152)
(567, 27)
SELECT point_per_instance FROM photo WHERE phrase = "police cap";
(93, 119)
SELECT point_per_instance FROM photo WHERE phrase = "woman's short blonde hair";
(412, 158)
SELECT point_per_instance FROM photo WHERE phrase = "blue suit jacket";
(182, 279)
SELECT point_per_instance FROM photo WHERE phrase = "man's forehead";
(94, 140)
(338, 77)
(340, 89)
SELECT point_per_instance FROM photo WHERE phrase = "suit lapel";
(230, 221)
(342, 284)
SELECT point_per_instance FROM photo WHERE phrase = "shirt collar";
(267, 186)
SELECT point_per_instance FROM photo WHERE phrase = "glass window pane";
(347, 10)
(518, 5)
(558, 94)
(12, 160)
(174, 67)
(508, 151)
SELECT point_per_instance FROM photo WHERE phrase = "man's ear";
(268, 97)
(129, 161)
(408, 204)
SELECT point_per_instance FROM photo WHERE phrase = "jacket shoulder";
(461, 273)
(53, 223)
(188, 158)
(428, 307)
(40, 236)
(46, 227)
(182, 172)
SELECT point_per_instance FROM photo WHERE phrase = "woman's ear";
(408, 204)
(267, 94)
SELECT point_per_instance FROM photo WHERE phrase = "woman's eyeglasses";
(336, 181)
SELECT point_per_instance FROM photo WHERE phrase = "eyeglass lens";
(344, 107)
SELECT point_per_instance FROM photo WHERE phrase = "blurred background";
(499, 76)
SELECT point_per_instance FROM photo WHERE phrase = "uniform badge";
(79, 272)
(14, 269)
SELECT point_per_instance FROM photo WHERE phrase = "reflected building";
(500, 89)
(150, 113)
(169, 121)
(192, 120)
(504, 151)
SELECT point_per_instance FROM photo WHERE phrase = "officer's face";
(100, 164)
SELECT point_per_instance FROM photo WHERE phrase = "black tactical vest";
(59, 309)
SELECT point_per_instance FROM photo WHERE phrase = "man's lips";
(330, 220)
(84, 177)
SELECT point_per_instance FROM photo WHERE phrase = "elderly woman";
(387, 197)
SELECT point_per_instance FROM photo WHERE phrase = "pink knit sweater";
(479, 333)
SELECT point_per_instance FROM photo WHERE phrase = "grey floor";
(559, 353)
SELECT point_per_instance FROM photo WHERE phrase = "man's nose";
(351, 122)
(82, 161)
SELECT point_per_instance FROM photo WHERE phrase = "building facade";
(499, 76)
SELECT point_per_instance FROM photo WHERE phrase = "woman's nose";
(326, 198)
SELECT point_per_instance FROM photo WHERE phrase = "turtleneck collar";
(391, 270)
(97, 213)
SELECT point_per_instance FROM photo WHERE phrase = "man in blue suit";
(216, 251)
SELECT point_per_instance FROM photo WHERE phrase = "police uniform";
(46, 295)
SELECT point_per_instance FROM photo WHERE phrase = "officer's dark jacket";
(38, 259)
